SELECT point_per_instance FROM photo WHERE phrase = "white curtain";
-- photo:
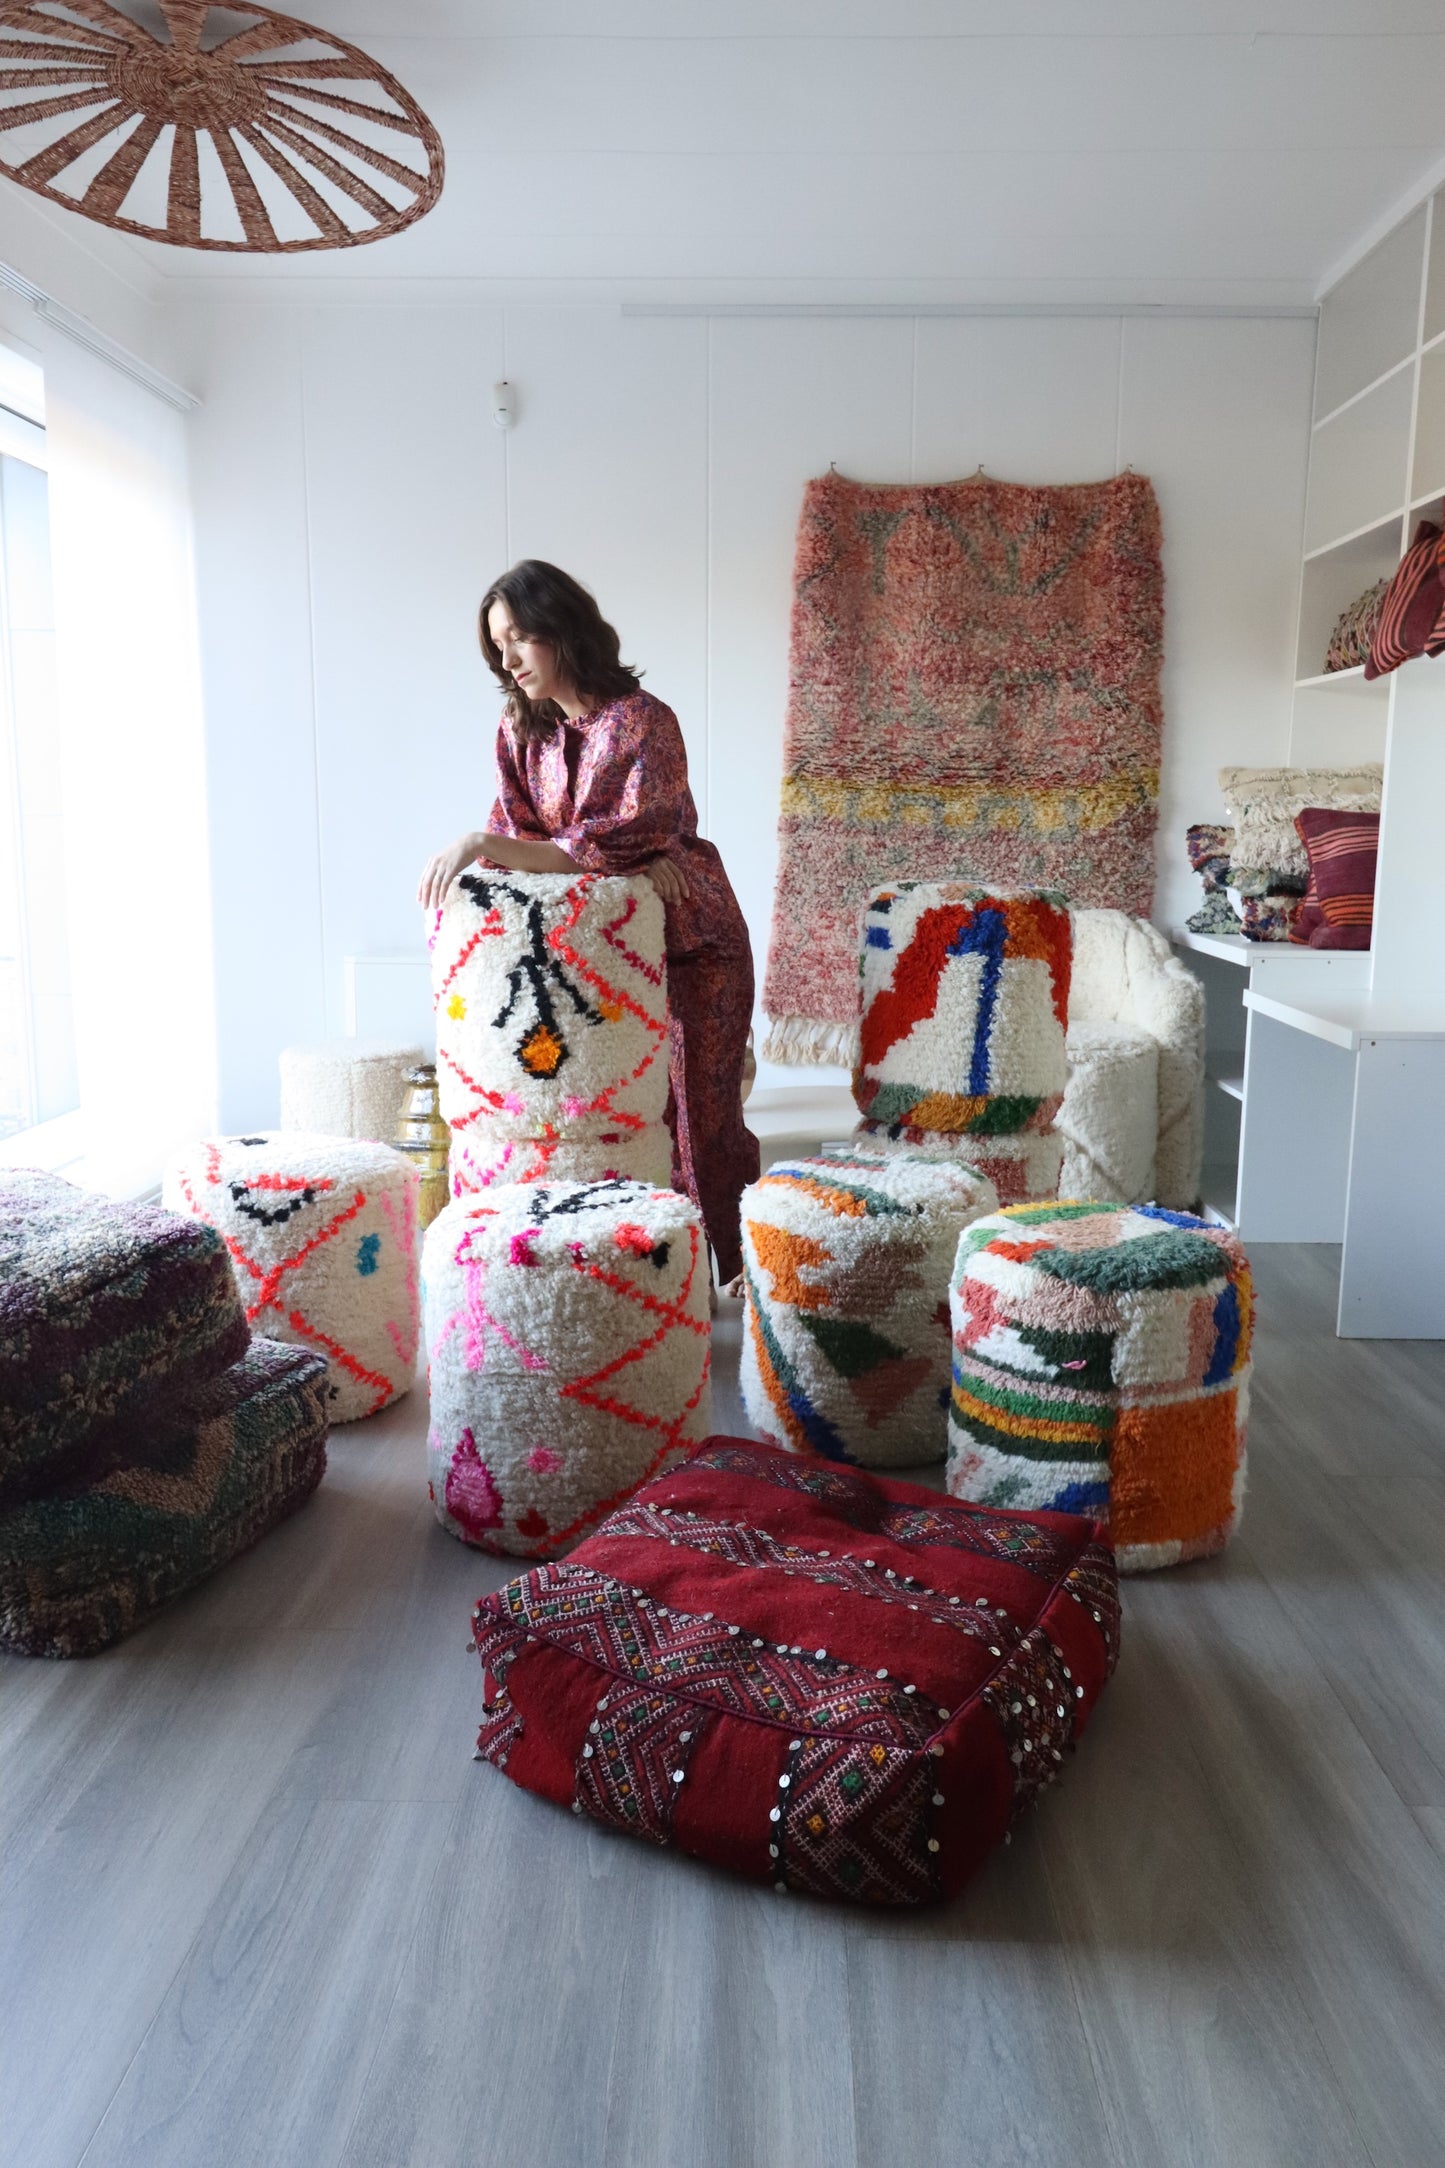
(134, 768)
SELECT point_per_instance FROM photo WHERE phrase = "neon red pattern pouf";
(826, 1681)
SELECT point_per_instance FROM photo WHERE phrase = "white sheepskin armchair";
(1126, 974)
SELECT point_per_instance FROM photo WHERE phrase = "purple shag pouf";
(188, 1491)
(104, 1310)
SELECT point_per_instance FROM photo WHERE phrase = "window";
(37, 1037)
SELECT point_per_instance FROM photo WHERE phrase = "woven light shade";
(219, 128)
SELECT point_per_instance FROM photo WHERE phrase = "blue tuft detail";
(1080, 1498)
(1226, 1344)
(366, 1251)
(1172, 1219)
(879, 937)
(985, 935)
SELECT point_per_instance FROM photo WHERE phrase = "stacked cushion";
(846, 1346)
(551, 1013)
(826, 1682)
(322, 1233)
(1101, 1365)
(103, 1307)
(189, 1485)
(1343, 849)
(569, 1339)
(1354, 632)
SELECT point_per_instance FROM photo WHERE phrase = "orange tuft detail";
(1172, 1467)
(784, 1257)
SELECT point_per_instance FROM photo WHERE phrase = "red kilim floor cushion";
(818, 1678)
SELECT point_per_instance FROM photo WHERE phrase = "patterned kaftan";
(611, 790)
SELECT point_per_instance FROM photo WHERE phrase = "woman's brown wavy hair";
(548, 604)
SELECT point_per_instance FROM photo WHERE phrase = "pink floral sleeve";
(632, 800)
(514, 813)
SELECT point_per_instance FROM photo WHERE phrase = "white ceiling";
(1189, 151)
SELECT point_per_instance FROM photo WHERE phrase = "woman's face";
(528, 661)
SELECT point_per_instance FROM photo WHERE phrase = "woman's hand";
(442, 870)
(668, 880)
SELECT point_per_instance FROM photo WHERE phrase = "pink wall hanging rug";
(973, 694)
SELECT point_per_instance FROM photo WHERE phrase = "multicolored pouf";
(965, 1000)
(1101, 1365)
(551, 1012)
(570, 1344)
(1021, 1168)
(846, 1344)
(484, 1157)
(322, 1233)
(823, 1681)
(193, 1485)
(104, 1308)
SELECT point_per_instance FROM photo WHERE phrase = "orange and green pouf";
(1101, 1362)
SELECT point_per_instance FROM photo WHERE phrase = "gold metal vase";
(425, 1138)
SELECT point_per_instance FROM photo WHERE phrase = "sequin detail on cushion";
(842, 1835)
(1094, 1586)
(1034, 1701)
(742, 1545)
(858, 1501)
(618, 1629)
(634, 1761)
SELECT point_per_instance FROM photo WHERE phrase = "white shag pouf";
(483, 1157)
(1109, 1120)
(322, 1234)
(1126, 973)
(846, 1260)
(551, 1007)
(1022, 1168)
(346, 1087)
(568, 1332)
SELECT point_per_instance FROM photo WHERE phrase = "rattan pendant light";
(211, 127)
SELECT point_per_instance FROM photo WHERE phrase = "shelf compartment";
(1333, 578)
(1359, 462)
(1369, 322)
(1435, 274)
(1427, 476)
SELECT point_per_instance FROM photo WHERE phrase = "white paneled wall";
(353, 499)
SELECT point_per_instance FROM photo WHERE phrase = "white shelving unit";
(1327, 1123)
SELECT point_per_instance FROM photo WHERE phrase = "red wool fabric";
(1412, 615)
(822, 1680)
(1343, 849)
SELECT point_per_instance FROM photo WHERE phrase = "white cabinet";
(1328, 1114)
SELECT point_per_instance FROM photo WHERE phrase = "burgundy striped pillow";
(1342, 848)
(1414, 605)
(1308, 916)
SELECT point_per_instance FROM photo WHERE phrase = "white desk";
(1344, 1099)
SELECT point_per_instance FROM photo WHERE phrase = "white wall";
(352, 499)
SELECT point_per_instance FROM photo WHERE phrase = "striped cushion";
(1309, 917)
(1342, 850)
(1414, 605)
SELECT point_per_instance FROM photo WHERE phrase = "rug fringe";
(805, 1041)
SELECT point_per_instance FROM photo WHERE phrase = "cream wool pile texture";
(551, 1012)
(1109, 1120)
(1021, 1167)
(1126, 973)
(481, 1159)
(322, 1235)
(569, 1338)
(346, 1087)
(846, 1345)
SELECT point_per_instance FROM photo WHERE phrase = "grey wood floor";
(259, 1905)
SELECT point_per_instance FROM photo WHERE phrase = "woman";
(592, 778)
